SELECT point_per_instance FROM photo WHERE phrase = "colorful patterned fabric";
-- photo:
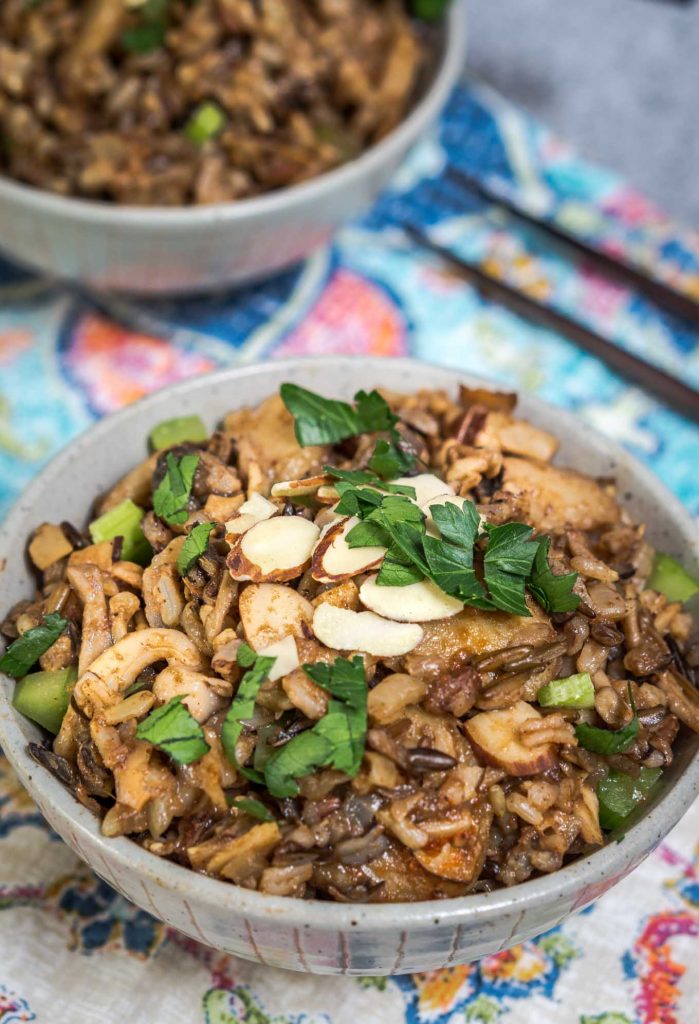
(71, 949)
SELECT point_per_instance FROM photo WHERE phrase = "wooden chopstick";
(674, 393)
(615, 267)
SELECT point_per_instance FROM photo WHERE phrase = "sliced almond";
(271, 611)
(344, 630)
(425, 485)
(285, 654)
(334, 560)
(495, 736)
(326, 517)
(418, 602)
(327, 494)
(299, 488)
(277, 549)
(257, 509)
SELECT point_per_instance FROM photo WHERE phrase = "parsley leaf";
(506, 565)
(246, 657)
(194, 546)
(254, 808)
(344, 679)
(243, 706)
(149, 33)
(28, 648)
(174, 730)
(339, 737)
(389, 460)
(294, 760)
(171, 497)
(554, 593)
(397, 570)
(374, 412)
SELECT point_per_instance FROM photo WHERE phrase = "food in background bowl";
(165, 102)
(371, 652)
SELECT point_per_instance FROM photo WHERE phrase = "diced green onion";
(204, 123)
(572, 692)
(123, 521)
(176, 431)
(671, 579)
(428, 10)
(44, 696)
(619, 794)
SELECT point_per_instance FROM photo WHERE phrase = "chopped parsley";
(194, 546)
(243, 705)
(319, 420)
(171, 497)
(175, 731)
(248, 805)
(26, 650)
(337, 740)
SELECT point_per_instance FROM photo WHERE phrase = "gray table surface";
(617, 78)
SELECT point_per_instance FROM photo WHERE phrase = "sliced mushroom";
(344, 595)
(306, 695)
(87, 582)
(255, 510)
(386, 701)
(344, 630)
(495, 737)
(163, 595)
(417, 602)
(461, 857)
(119, 666)
(270, 611)
(554, 499)
(101, 555)
(199, 692)
(136, 485)
(334, 560)
(426, 487)
(276, 550)
(516, 437)
(122, 608)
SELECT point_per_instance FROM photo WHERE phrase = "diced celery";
(205, 122)
(123, 521)
(44, 696)
(176, 431)
(572, 692)
(619, 794)
(671, 579)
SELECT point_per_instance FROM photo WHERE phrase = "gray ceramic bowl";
(328, 938)
(179, 250)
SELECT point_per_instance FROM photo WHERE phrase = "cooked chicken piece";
(265, 436)
(554, 499)
(448, 645)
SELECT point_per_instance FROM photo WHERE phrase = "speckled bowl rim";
(284, 199)
(583, 875)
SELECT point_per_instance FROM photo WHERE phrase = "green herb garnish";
(319, 420)
(619, 794)
(194, 546)
(26, 650)
(149, 33)
(124, 520)
(554, 593)
(174, 730)
(171, 497)
(254, 808)
(428, 10)
(243, 706)
(507, 565)
(339, 737)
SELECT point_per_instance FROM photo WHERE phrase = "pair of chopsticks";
(680, 397)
